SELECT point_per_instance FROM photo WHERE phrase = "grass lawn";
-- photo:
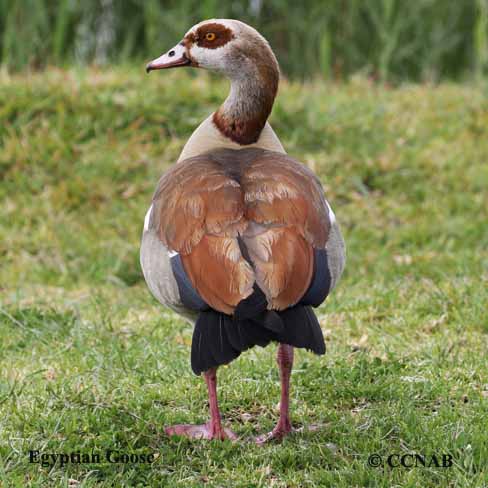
(89, 361)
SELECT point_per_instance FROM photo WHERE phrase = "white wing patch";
(147, 218)
(332, 216)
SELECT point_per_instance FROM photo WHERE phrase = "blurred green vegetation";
(385, 39)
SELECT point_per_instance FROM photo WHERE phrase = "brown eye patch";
(213, 35)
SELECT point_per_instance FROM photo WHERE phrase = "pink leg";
(212, 429)
(284, 359)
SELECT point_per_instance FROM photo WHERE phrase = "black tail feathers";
(219, 338)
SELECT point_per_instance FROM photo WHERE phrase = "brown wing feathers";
(219, 273)
(275, 204)
(283, 197)
(280, 190)
(199, 213)
(284, 269)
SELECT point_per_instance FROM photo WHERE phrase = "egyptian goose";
(239, 238)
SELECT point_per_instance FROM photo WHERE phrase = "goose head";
(226, 46)
(239, 52)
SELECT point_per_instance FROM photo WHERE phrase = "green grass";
(89, 361)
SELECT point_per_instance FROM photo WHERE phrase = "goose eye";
(210, 36)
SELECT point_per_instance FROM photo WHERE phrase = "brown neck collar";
(243, 115)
